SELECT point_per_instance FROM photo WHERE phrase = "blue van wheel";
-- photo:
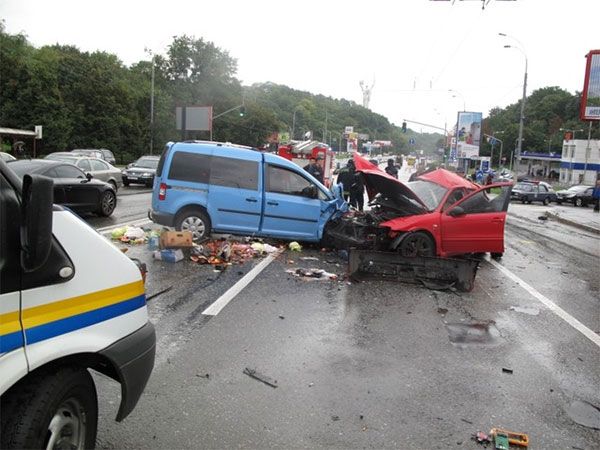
(194, 220)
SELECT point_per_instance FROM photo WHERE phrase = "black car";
(72, 187)
(579, 195)
(141, 171)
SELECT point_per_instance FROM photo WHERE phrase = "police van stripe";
(66, 325)
(11, 341)
(56, 318)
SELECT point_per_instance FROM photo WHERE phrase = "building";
(580, 165)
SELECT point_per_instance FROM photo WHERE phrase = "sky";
(425, 60)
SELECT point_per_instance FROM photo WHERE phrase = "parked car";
(72, 187)
(89, 152)
(141, 171)
(579, 195)
(199, 188)
(533, 191)
(70, 303)
(505, 176)
(99, 168)
(109, 157)
(6, 156)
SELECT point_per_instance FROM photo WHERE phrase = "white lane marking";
(133, 223)
(551, 305)
(234, 290)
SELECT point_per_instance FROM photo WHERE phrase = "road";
(370, 365)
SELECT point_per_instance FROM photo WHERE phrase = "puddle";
(473, 333)
(525, 310)
(585, 414)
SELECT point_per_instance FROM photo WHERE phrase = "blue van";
(206, 186)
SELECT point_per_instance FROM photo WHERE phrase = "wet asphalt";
(371, 365)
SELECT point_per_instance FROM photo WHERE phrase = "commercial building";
(580, 164)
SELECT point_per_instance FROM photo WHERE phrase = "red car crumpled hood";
(379, 182)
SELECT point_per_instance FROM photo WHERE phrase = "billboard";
(193, 118)
(468, 134)
(590, 102)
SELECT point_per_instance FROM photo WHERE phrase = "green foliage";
(92, 100)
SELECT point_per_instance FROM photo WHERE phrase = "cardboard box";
(175, 239)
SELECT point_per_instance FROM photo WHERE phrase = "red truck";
(301, 152)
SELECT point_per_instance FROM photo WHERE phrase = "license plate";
(133, 178)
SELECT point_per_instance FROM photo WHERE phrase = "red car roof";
(447, 179)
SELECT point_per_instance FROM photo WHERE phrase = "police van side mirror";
(36, 230)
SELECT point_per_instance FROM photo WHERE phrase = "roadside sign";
(411, 141)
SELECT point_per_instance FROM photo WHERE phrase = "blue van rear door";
(235, 194)
(288, 212)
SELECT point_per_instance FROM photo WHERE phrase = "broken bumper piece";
(434, 273)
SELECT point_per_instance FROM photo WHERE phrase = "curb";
(571, 222)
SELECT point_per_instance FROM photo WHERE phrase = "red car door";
(476, 223)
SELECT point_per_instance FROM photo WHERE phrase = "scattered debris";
(481, 437)
(312, 274)
(260, 377)
(309, 258)
(175, 239)
(282, 317)
(170, 255)
(505, 370)
(502, 438)
(525, 310)
(295, 247)
(335, 418)
(206, 375)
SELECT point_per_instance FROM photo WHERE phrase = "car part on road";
(512, 438)
(439, 272)
(260, 377)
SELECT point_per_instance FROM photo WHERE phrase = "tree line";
(93, 100)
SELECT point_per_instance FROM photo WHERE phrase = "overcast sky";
(414, 51)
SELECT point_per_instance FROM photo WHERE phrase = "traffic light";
(404, 127)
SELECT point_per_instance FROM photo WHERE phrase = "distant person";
(414, 175)
(314, 169)
(345, 178)
(357, 190)
(391, 169)
(596, 196)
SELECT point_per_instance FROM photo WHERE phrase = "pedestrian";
(346, 177)
(357, 190)
(596, 196)
(391, 169)
(489, 179)
(314, 169)
(414, 175)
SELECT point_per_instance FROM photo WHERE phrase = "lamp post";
(522, 118)
(294, 123)
(571, 131)
(462, 96)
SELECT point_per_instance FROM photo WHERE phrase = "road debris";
(150, 297)
(312, 274)
(260, 377)
(295, 247)
(505, 370)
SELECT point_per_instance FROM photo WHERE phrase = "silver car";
(98, 168)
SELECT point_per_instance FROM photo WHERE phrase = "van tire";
(194, 220)
(52, 405)
(108, 203)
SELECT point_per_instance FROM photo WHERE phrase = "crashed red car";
(439, 214)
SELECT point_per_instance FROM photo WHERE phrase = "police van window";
(84, 165)
(10, 214)
(68, 172)
(231, 172)
(284, 181)
(192, 167)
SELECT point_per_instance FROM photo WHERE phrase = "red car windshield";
(431, 194)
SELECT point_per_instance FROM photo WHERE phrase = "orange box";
(175, 239)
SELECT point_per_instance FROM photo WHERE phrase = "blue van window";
(284, 181)
(231, 172)
(190, 167)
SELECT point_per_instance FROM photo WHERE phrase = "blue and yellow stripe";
(64, 316)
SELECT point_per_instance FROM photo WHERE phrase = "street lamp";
(294, 122)
(520, 143)
(571, 131)
(462, 96)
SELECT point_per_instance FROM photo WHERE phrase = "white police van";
(69, 301)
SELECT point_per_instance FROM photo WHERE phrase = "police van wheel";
(193, 220)
(55, 408)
